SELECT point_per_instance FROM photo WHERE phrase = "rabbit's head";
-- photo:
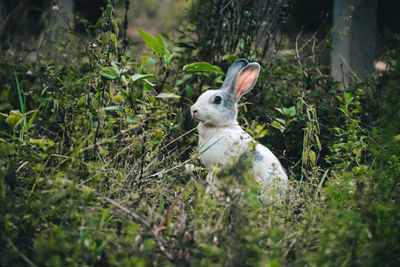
(219, 107)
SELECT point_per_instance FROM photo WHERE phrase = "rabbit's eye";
(217, 100)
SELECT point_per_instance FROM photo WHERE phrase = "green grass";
(106, 172)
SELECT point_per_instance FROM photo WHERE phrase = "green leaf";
(167, 95)
(312, 156)
(318, 142)
(187, 76)
(148, 83)
(276, 125)
(114, 108)
(202, 66)
(357, 152)
(95, 103)
(230, 58)
(339, 98)
(348, 97)
(290, 121)
(116, 28)
(119, 97)
(263, 133)
(149, 40)
(113, 39)
(32, 118)
(41, 141)
(291, 111)
(282, 121)
(281, 110)
(304, 157)
(344, 109)
(168, 57)
(148, 86)
(14, 117)
(130, 119)
(152, 100)
(305, 141)
(105, 38)
(44, 144)
(160, 49)
(155, 45)
(109, 73)
(139, 77)
(189, 91)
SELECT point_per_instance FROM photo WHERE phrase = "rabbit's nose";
(194, 110)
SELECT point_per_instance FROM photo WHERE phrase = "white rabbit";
(221, 139)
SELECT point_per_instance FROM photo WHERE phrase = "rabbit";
(221, 139)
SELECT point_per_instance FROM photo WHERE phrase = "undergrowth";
(99, 164)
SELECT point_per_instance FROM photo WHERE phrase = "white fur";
(222, 140)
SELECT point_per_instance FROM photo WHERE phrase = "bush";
(99, 161)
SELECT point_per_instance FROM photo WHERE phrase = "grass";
(106, 173)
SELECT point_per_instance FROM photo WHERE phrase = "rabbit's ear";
(245, 80)
(233, 71)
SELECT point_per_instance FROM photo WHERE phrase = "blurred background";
(360, 31)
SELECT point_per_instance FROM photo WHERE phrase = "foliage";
(226, 27)
(99, 166)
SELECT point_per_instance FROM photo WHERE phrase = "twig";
(20, 253)
(169, 212)
(298, 53)
(160, 244)
(226, 6)
(143, 155)
(117, 205)
(165, 171)
(166, 75)
(179, 137)
(130, 100)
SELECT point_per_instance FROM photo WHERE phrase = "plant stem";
(21, 102)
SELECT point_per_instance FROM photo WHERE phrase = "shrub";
(99, 166)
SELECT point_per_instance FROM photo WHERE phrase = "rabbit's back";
(266, 166)
(219, 146)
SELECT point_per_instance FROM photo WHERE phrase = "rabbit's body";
(221, 139)
(219, 146)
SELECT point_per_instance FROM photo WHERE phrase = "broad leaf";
(312, 156)
(149, 40)
(276, 125)
(14, 117)
(291, 111)
(139, 77)
(189, 91)
(160, 49)
(230, 58)
(202, 66)
(167, 95)
(155, 45)
(109, 73)
(114, 108)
